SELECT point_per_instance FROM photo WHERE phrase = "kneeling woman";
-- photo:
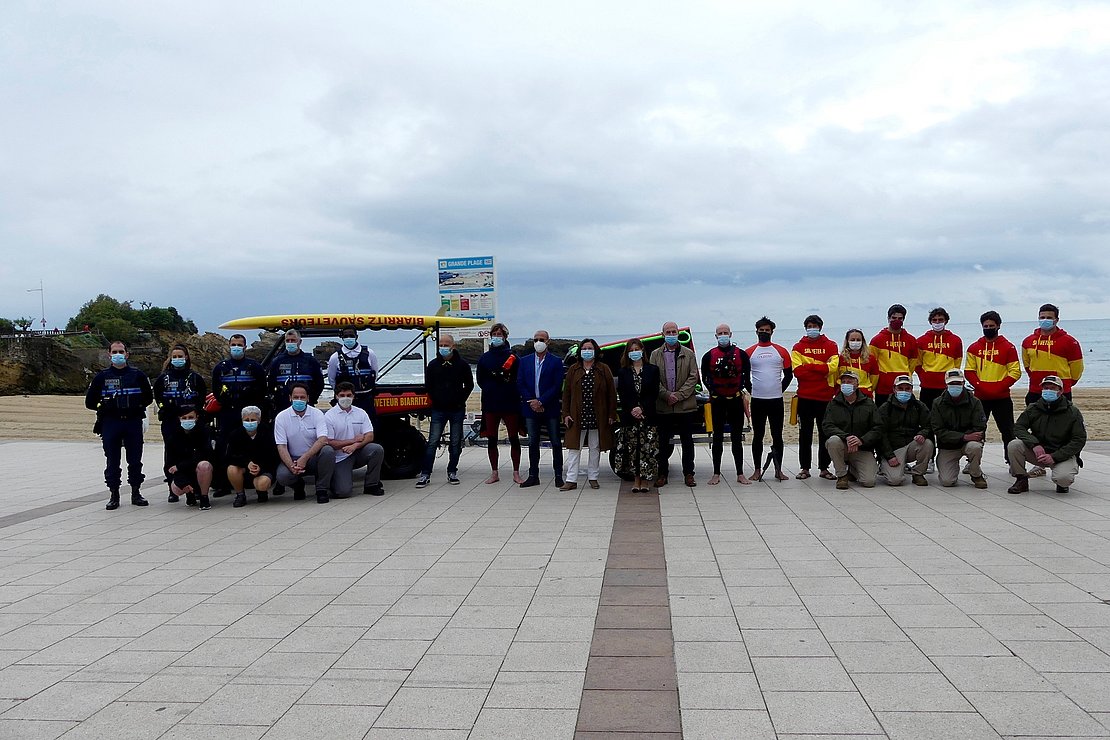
(189, 454)
(251, 457)
(589, 412)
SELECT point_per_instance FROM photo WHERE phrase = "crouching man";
(251, 457)
(906, 435)
(302, 444)
(960, 425)
(351, 435)
(1049, 433)
(851, 424)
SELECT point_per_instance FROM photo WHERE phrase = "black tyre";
(404, 448)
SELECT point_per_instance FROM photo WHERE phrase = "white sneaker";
(932, 467)
(1037, 472)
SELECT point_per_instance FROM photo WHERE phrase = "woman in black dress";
(638, 447)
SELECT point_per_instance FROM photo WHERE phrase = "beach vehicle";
(396, 403)
(611, 354)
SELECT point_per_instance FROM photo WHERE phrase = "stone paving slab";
(794, 610)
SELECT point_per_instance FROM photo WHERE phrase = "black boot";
(298, 491)
(113, 499)
(263, 496)
(240, 499)
(137, 498)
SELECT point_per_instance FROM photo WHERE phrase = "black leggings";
(766, 410)
(728, 411)
(810, 414)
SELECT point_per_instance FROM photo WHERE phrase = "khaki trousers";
(918, 454)
(1063, 472)
(948, 462)
(861, 462)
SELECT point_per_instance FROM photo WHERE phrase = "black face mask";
(763, 336)
(990, 333)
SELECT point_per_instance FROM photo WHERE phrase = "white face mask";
(855, 345)
(345, 402)
(938, 325)
(540, 346)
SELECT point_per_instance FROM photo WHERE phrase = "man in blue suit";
(540, 381)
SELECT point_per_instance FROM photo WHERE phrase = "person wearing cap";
(852, 426)
(960, 425)
(356, 364)
(906, 436)
(1050, 350)
(816, 361)
(896, 351)
(1050, 433)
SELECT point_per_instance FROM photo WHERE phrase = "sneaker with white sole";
(422, 481)
(453, 479)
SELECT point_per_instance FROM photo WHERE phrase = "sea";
(1093, 335)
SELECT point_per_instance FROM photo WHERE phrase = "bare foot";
(743, 480)
(714, 479)
(493, 478)
(516, 477)
(779, 475)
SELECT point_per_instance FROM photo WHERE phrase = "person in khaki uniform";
(906, 435)
(960, 425)
(1049, 433)
(676, 404)
(851, 424)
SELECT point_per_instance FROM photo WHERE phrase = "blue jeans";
(435, 431)
(533, 424)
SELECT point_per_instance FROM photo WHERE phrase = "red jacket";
(815, 364)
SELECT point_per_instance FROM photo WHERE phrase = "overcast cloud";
(626, 163)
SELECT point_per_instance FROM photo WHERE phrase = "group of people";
(268, 432)
(858, 396)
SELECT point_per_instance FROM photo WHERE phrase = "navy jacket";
(551, 384)
(499, 391)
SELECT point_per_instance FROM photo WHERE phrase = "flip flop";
(827, 475)
(802, 475)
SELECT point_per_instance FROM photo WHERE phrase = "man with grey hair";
(293, 366)
(677, 403)
(450, 382)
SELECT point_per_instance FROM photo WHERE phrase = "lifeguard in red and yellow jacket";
(1050, 350)
(896, 351)
(941, 351)
(992, 369)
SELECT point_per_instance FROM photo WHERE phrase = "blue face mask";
(444, 351)
(1049, 395)
(250, 426)
(496, 341)
(813, 333)
(188, 424)
(847, 388)
(903, 396)
(671, 340)
(119, 359)
(300, 405)
(636, 355)
(955, 390)
(723, 340)
(178, 362)
(587, 354)
(350, 342)
(290, 347)
(237, 352)
(1046, 324)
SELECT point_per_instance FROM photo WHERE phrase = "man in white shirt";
(351, 434)
(772, 372)
(300, 434)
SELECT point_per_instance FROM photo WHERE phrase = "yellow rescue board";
(358, 321)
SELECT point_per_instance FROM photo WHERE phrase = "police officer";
(237, 382)
(356, 364)
(119, 395)
(176, 387)
(293, 366)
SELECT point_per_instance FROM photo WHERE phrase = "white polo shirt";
(351, 424)
(299, 432)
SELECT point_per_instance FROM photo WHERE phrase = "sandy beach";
(66, 418)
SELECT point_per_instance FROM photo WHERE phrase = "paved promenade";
(787, 610)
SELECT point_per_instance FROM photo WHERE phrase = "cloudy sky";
(626, 163)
